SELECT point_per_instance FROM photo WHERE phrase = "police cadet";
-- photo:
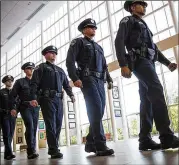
(7, 122)
(47, 82)
(89, 76)
(135, 35)
(30, 115)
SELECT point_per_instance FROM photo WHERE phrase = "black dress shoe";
(9, 157)
(90, 147)
(58, 155)
(13, 156)
(104, 151)
(53, 151)
(170, 142)
(149, 145)
(32, 156)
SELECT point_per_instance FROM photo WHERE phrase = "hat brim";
(88, 25)
(29, 67)
(127, 4)
(49, 52)
(5, 80)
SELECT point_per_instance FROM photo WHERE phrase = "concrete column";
(108, 110)
(111, 28)
(22, 56)
(37, 138)
(14, 140)
(175, 23)
(69, 20)
(123, 110)
(115, 138)
(42, 39)
(23, 136)
(173, 14)
(6, 64)
(176, 55)
(65, 110)
(77, 118)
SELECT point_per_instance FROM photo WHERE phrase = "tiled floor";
(126, 152)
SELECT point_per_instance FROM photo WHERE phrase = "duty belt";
(51, 93)
(86, 73)
(138, 52)
(96, 74)
(148, 53)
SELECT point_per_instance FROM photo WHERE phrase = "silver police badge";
(30, 63)
(9, 76)
(53, 47)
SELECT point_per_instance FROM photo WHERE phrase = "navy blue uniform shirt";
(49, 76)
(20, 90)
(85, 51)
(132, 32)
(4, 98)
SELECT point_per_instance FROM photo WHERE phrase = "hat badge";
(53, 47)
(92, 21)
(9, 76)
(30, 63)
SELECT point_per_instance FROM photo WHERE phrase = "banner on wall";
(42, 135)
(19, 131)
(40, 115)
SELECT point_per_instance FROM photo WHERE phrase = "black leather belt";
(96, 74)
(87, 73)
(59, 95)
(51, 93)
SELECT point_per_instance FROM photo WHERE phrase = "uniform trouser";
(52, 111)
(94, 95)
(153, 105)
(30, 117)
(8, 127)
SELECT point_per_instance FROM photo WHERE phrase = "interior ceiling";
(15, 14)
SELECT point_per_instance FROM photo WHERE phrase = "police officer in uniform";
(89, 76)
(30, 115)
(47, 82)
(7, 122)
(135, 35)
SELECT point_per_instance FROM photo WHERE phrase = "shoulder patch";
(124, 20)
(61, 70)
(73, 42)
(37, 67)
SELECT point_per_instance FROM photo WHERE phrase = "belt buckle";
(98, 74)
(58, 94)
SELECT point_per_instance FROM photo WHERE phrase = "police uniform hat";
(127, 4)
(50, 48)
(87, 23)
(28, 65)
(6, 78)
